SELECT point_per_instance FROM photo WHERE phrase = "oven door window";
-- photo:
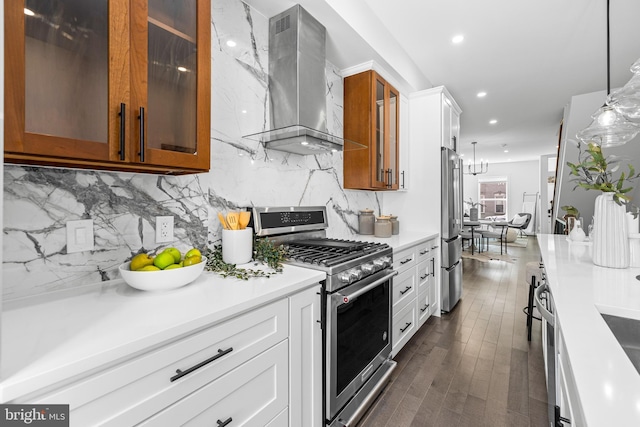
(362, 332)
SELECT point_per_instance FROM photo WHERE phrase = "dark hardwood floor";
(473, 366)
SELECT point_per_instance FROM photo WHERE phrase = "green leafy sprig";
(264, 251)
(473, 204)
(596, 172)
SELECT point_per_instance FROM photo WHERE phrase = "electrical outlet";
(164, 229)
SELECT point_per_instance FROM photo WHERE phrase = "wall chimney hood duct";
(297, 86)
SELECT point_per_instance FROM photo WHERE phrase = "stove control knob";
(387, 261)
(356, 274)
(344, 277)
(381, 263)
(368, 268)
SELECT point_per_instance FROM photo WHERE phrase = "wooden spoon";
(232, 220)
(223, 221)
(245, 216)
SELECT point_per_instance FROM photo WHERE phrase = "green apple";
(177, 256)
(173, 267)
(163, 260)
(192, 252)
(149, 268)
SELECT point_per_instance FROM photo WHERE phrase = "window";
(493, 195)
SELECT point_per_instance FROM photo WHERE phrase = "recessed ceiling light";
(506, 151)
(457, 39)
(244, 111)
(482, 94)
(231, 43)
(493, 121)
(29, 12)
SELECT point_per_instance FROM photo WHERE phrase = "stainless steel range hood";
(297, 86)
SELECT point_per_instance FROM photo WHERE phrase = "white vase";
(610, 233)
(473, 214)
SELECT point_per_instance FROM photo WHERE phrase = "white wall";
(522, 177)
(576, 117)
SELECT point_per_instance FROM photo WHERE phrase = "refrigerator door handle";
(453, 266)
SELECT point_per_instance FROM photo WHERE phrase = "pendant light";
(609, 128)
(626, 100)
(473, 168)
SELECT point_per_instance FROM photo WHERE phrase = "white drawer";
(281, 420)
(423, 270)
(404, 290)
(403, 328)
(251, 395)
(136, 389)
(423, 250)
(404, 260)
(423, 307)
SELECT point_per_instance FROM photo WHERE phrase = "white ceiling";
(529, 56)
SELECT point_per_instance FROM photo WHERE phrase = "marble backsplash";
(38, 201)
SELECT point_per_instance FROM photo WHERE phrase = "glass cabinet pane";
(66, 68)
(379, 137)
(393, 131)
(172, 74)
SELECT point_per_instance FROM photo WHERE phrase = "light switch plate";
(80, 236)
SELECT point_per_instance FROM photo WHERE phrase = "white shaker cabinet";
(259, 368)
(450, 117)
(414, 296)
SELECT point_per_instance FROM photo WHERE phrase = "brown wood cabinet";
(108, 84)
(371, 119)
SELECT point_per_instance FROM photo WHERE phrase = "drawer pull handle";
(406, 327)
(423, 309)
(180, 374)
(424, 277)
(433, 267)
(407, 289)
(426, 251)
(405, 261)
(225, 422)
(434, 247)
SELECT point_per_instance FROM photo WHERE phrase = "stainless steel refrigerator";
(451, 273)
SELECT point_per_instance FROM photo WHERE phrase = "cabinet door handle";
(424, 277)
(433, 267)
(423, 309)
(225, 422)
(407, 289)
(405, 261)
(141, 117)
(123, 118)
(406, 327)
(426, 251)
(180, 374)
(402, 174)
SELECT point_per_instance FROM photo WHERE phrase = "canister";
(395, 224)
(383, 226)
(366, 221)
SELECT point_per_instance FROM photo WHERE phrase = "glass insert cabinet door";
(114, 81)
(170, 108)
(385, 141)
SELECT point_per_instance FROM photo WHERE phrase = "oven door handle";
(546, 314)
(349, 297)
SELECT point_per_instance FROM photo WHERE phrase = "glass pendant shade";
(608, 128)
(626, 100)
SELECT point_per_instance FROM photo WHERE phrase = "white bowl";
(162, 280)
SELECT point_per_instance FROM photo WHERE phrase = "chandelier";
(613, 123)
(475, 168)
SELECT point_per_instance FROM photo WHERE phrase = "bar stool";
(534, 278)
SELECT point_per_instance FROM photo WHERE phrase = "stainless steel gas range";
(356, 306)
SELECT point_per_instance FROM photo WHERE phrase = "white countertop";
(608, 385)
(44, 342)
(398, 242)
